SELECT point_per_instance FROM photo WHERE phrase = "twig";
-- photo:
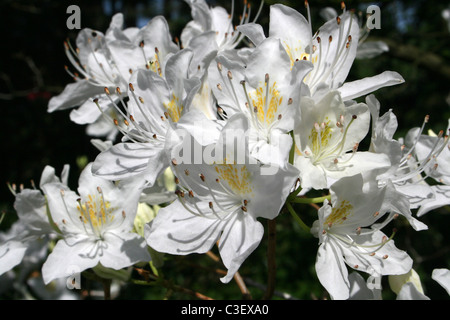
(246, 295)
(165, 283)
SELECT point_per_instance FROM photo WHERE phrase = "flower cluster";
(245, 124)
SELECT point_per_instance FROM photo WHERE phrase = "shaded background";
(32, 70)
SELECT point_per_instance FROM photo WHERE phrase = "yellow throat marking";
(319, 140)
(237, 177)
(96, 211)
(339, 213)
(174, 108)
(266, 103)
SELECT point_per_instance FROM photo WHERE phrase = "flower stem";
(271, 259)
(296, 217)
(310, 200)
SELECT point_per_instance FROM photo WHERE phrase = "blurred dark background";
(32, 70)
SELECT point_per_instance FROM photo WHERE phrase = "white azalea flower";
(267, 92)
(405, 172)
(95, 226)
(220, 201)
(34, 228)
(216, 20)
(332, 50)
(349, 234)
(327, 139)
(108, 61)
(156, 105)
(412, 163)
(438, 146)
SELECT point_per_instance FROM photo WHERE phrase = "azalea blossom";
(349, 232)
(95, 226)
(33, 228)
(220, 202)
(267, 92)
(216, 20)
(332, 50)
(108, 61)
(157, 104)
(327, 139)
(413, 162)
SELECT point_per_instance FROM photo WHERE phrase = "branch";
(165, 283)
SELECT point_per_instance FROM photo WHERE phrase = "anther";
(118, 90)
(191, 193)
(174, 162)
(210, 205)
(219, 66)
(130, 85)
(230, 76)
(244, 208)
(385, 256)
(266, 78)
(338, 20)
(107, 91)
(202, 177)
(219, 87)
(290, 101)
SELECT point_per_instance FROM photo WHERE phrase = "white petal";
(371, 49)
(124, 250)
(442, 276)
(332, 271)
(410, 292)
(74, 94)
(240, 238)
(11, 254)
(66, 260)
(127, 159)
(358, 88)
(177, 231)
(441, 198)
(253, 31)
